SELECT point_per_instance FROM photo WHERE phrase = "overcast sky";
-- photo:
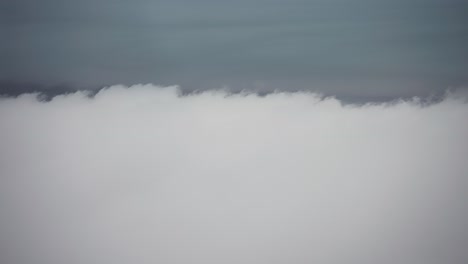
(361, 48)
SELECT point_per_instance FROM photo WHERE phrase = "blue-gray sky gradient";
(358, 48)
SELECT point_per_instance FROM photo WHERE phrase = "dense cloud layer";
(143, 175)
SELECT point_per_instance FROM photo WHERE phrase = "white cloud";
(142, 175)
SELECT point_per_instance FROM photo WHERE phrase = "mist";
(143, 174)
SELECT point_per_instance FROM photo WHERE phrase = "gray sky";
(357, 49)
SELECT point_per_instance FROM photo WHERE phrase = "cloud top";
(144, 175)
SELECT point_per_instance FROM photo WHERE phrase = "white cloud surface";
(142, 175)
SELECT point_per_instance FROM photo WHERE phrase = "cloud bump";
(144, 175)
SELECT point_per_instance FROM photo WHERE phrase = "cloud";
(143, 175)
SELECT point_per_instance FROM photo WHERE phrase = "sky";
(215, 131)
(360, 50)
